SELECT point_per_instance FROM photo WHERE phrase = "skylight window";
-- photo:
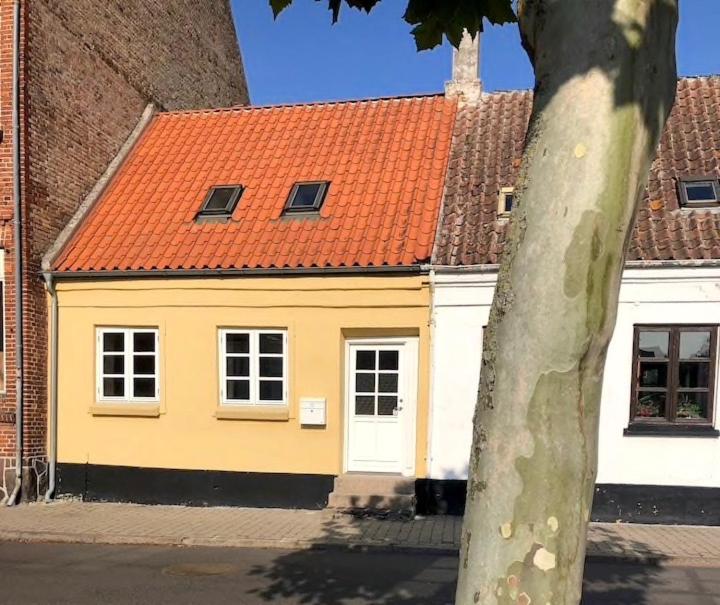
(307, 197)
(221, 201)
(700, 193)
(506, 201)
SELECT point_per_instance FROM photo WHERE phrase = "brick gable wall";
(92, 66)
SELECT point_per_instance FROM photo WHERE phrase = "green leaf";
(435, 18)
(279, 6)
(432, 19)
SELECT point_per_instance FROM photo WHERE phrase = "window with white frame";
(127, 364)
(253, 367)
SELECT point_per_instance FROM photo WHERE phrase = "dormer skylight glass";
(221, 201)
(307, 197)
(699, 193)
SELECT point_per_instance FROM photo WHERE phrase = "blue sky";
(301, 57)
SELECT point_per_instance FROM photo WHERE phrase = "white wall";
(670, 295)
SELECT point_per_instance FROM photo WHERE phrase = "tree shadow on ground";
(609, 579)
(346, 575)
(342, 574)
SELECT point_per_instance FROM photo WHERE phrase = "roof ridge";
(242, 108)
(680, 79)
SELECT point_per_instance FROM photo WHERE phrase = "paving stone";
(73, 521)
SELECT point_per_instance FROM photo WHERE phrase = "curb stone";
(651, 559)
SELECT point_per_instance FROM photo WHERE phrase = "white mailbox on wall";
(313, 411)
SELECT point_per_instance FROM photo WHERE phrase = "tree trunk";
(606, 79)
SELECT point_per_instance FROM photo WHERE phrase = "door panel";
(376, 394)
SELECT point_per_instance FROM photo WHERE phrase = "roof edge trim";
(630, 264)
(98, 189)
(284, 272)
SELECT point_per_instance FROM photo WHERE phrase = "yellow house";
(241, 308)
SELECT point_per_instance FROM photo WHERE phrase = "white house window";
(253, 367)
(127, 364)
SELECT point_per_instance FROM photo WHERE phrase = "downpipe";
(54, 315)
(18, 268)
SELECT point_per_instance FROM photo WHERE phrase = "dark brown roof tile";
(489, 139)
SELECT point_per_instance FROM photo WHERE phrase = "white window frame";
(254, 374)
(128, 374)
(502, 197)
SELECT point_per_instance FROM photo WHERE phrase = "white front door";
(381, 394)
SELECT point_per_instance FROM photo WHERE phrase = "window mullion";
(254, 367)
(673, 375)
(127, 338)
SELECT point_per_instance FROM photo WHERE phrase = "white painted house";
(659, 447)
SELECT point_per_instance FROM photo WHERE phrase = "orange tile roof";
(386, 160)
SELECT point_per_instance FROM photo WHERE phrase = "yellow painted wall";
(318, 313)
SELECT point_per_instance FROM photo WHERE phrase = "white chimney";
(465, 82)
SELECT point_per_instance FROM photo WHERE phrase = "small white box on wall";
(312, 411)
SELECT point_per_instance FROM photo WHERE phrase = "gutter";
(18, 268)
(631, 264)
(54, 325)
(221, 273)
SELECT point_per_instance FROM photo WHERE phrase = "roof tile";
(490, 136)
(386, 161)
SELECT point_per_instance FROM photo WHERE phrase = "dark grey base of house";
(99, 483)
(659, 504)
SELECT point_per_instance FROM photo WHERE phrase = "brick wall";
(92, 66)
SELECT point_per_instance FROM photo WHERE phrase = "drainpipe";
(54, 315)
(17, 223)
(431, 381)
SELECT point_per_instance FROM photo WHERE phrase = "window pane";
(238, 389)
(387, 405)
(365, 405)
(694, 375)
(509, 200)
(271, 390)
(695, 345)
(365, 360)
(113, 341)
(388, 383)
(692, 406)
(144, 364)
(654, 344)
(653, 374)
(650, 405)
(237, 343)
(271, 367)
(220, 198)
(143, 387)
(113, 387)
(113, 364)
(305, 195)
(144, 342)
(237, 366)
(701, 191)
(364, 383)
(271, 343)
(389, 360)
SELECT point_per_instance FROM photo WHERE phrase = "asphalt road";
(84, 575)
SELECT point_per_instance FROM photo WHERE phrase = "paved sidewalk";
(79, 522)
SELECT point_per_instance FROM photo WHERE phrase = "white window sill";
(278, 413)
(138, 410)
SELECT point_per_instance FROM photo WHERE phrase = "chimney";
(465, 83)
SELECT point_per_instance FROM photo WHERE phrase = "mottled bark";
(606, 80)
